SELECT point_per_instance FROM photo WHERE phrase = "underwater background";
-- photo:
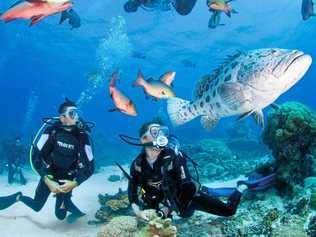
(41, 65)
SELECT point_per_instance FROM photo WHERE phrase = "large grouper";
(243, 85)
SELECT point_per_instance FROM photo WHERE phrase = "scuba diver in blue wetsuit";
(183, 7)
(63, 158)
(160, 171)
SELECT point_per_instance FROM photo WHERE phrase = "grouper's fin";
(245, 115)
(178, 111)
(257, 114)
(259, 118)
(208, 122)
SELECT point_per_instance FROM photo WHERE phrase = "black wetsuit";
(15, 153)
(183, 7)
(63, 155)
(169, 183)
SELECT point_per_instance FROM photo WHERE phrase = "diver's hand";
(68, 185)
(145, 214)
(52, 185)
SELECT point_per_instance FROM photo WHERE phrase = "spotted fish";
(243, 85)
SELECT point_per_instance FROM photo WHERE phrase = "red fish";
(35, 10)
(122, 103)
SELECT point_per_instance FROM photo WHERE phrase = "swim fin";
(259, 184)
(72, 218)
(7, 201)
(218, 192)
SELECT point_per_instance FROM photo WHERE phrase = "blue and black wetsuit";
(183, 7)
(63, 155)
(167, 181)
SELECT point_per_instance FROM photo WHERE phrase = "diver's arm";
(187, 189)
(86, 162)
(181, 170)
(133, 186)
(43, 149)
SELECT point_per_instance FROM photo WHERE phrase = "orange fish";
(154, 88)
(122, 103)
(222, 5)
(35, 10)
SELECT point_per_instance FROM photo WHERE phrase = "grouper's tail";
(178, 111)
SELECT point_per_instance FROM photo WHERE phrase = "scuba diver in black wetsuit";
(161, 173)
(183, 7)
(63, 158)
(15, 153)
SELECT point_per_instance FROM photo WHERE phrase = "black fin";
(64, 16)
(113, 110)
(245, 115)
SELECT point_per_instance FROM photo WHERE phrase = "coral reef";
(218, 161)
(128, 226)
(158, 227)
(120, 226)
(113, 205)
(291, 135)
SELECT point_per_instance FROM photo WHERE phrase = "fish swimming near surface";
(73, 18)
(307, 9)
(243, 85)
(221, 5)
(35, 10)
(122, 103)
(159, 89)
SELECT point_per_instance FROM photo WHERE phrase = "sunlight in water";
(111, 52)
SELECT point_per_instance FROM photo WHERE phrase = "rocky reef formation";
(123, 226)
(291, 135)
(112, 206)
(216, 161)
(128, 226)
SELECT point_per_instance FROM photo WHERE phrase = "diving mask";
(72, 112)
(159, 134)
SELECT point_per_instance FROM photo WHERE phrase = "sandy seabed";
(21, 221)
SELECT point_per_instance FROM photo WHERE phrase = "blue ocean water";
(43, 64)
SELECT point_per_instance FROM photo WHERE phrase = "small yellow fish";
(154, 88)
